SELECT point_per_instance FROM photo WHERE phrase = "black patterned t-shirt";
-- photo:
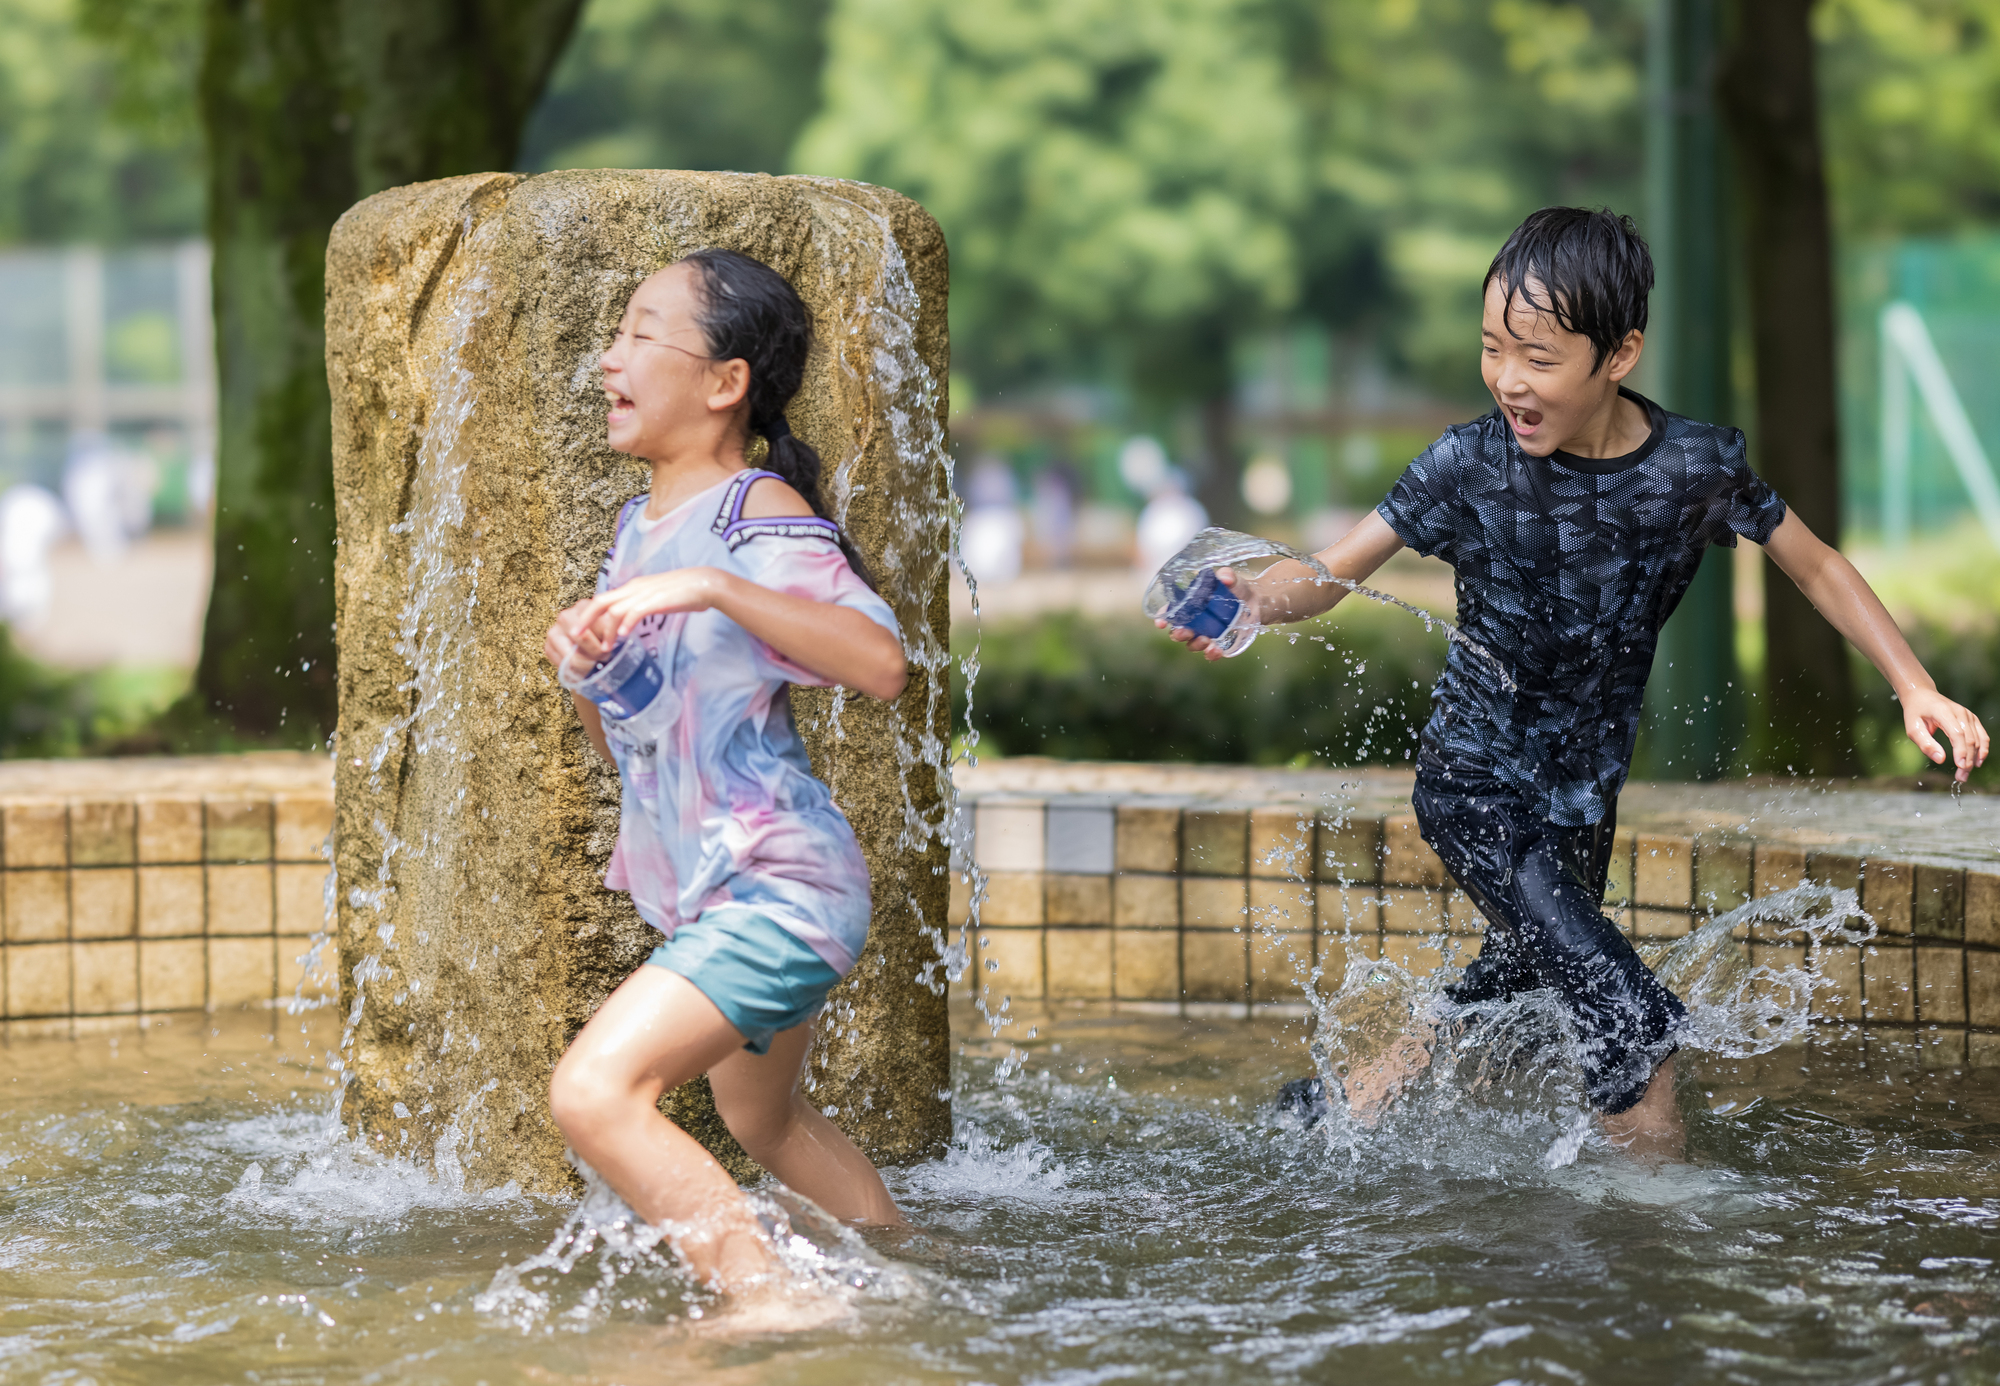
(1567, 567)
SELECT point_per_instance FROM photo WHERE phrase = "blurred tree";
(701, 84)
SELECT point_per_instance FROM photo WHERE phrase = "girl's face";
(664, 389)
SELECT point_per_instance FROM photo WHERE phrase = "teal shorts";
(760, 977)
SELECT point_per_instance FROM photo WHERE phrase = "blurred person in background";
(110, 494)
(990, 538)
(31, 520)
(1052, 515)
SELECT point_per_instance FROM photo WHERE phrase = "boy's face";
(1540, 373)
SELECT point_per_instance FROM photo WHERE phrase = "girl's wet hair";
(1593, 269)
(748, 310)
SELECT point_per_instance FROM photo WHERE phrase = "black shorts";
(1540, 887)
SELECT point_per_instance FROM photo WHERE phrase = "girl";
(734, 584)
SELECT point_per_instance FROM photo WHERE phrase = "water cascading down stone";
(476, 496)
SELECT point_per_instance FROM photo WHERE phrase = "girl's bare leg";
(1651, 1129)
(759, 1099)
(654, 1033)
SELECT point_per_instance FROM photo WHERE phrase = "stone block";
(239, 900)
(1937, 907)
(1082, 837)
(34, 833)
(1940, 986)
(173, 901)
(302, 898)
(1350, 910)
(1651, 923)
(1839, 998)
(1281, 841)
(1010, 835)
(236, 829)
(102, 832)
(1982, 907)
(1280, 965)
(1837, 869)
(1618, 885)
(1213, 902)
(1146, 964)
(1078, 900)
(37, 906)
(103, 902)
(1416, 955)
(1412, 911)
(1779, 868)
(1888, 983)
(1013, 899)
(1215, 966)
(1215, 842)
(1722, 871)
(1079, 964)
(1663, 871)
(1149, 838)
(173, 974)
(242, 972)
(1145, 902)
(169, 829)
(1888, 894)
(105, 977)
(1982, 988)
(1281, 905)
(1407, 859)
(38, 980)
(1349, 850)
(305, 974)
(300, 824)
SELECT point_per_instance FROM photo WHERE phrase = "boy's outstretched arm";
(1844, 597)
(1290, 591)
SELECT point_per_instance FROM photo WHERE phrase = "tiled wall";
(153, 903)
(1158, 901)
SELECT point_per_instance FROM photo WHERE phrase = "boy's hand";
(1201, 644)
(1926, 712)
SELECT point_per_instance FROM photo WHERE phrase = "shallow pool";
(1120, 1205)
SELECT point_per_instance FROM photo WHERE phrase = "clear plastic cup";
(624, 683)
(1188, 595)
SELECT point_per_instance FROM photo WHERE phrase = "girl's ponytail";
(749, 311)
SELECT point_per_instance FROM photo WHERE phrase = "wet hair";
(748, 310)
(1593, 268)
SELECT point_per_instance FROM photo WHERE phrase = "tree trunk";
(1771, 105)
(309, 107)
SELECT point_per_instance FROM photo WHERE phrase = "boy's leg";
(654, 1033)
(759, 1100)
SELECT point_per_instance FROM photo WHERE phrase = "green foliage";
(1092, 689)
(49, 712)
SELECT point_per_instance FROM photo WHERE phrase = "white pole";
(83, 327)
(1902, 325)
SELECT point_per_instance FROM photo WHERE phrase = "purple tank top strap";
(736, 531)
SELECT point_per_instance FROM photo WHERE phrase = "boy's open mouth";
(1525, 421)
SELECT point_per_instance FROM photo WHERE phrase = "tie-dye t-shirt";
(1567, 567)
(720, 805)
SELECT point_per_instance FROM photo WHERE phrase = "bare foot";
(1651, 1130)
(777, 1304)
(1371, 1084)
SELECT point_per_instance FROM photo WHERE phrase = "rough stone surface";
(475, 497)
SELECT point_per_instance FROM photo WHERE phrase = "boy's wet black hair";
(1592, 268)
(750, 311)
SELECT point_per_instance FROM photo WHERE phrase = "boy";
(1576, 514)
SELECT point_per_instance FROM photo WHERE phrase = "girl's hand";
(571, 644)
(611, 616)
(1245, 593)
(1926, 711)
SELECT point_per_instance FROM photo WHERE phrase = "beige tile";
(1840, 997)
(103, 902)
(173, 902)
(1009, 963)
(1618, 871)
(960, 907)
(1982, 907)
(1008, 834)
(1281, 905)
(38, 979)
(1779, 958)
(1413, 954)
(1338, 952)
(1938, 907)
(1406, 858)
(106, 977)
(1888, 894)
(236, 829)
(1215, 966)
(1663, 871)
(1661, 924)
(1146, 964)
(300, 824)
(34, 832)
(239, 899)
(1213, 902)
(1942, 1048)
(302, 898)
(1722, 871)
(1280, 964)
(1886, 983)
(170, 828)
(1461, 916)
(1836, 869)
(241, 971)
(1350, 909)
(1941, 986)
(1281, 841)
(1145, 902)
(1013, 899)
(1983, 1051)
(1412, 911)
(101, 832)
(173, 974)
(1779, 868)
(1149, 838)
(307, 975)
(37, 906)
(1215, 842)
(1350, 849)
(1982, 988)
(1079, 963)
(1073, 899)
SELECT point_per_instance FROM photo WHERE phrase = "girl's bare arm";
(1290, 591)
